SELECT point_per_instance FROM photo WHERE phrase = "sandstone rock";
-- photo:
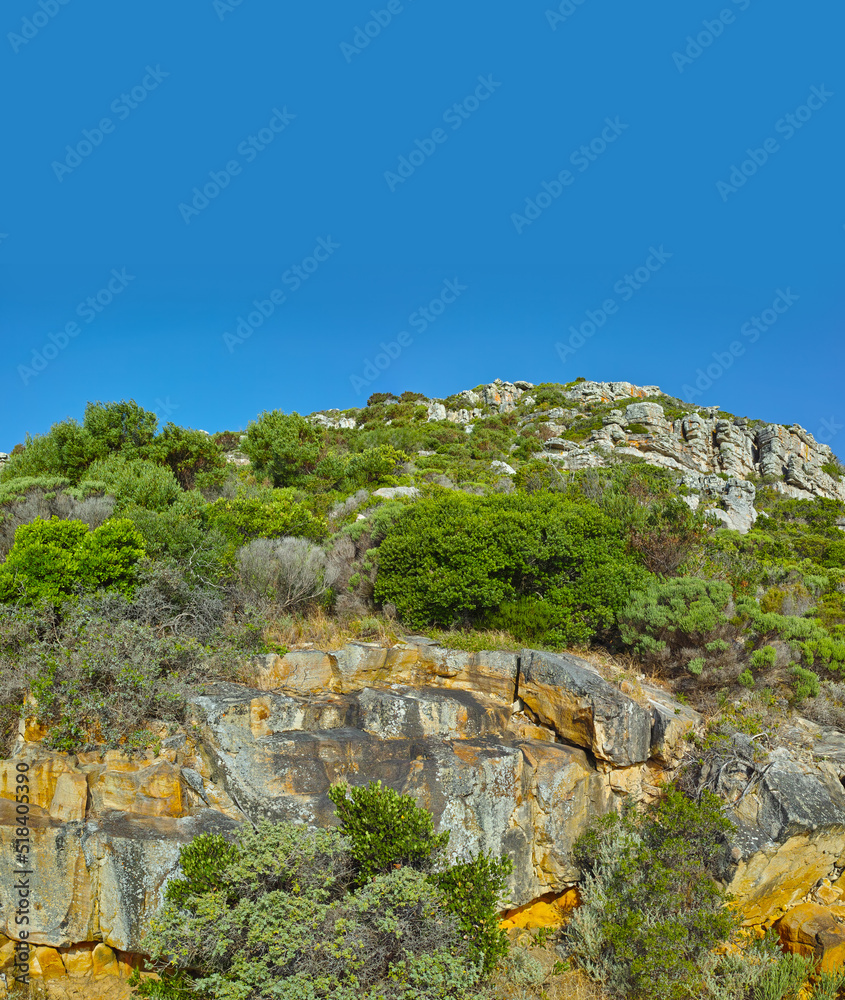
(570, 696)
(155, 790)
(504, 468)
(104, 961)
(810, 929)
(50, 963)
(550, 910)
(790, 818)
(70, 798)
(79, 960)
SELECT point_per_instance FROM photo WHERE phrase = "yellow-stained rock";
(772, 879)
(550, 910)
(104, 961)
(79, 959)
(50, 962)
(826, 894)
(811, 929)
(42, 777)
(32, 730)
(154, 790)
(302, 671)
(7, 952)
(70, 798)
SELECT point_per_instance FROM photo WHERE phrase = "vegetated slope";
(138, 562)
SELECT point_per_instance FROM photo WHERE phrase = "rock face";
(789, 810)
(705, 443)
(512, 753)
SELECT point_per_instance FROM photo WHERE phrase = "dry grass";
(559, 982)
(318, 628)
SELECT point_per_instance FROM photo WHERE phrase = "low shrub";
(653, 910)
(288, 912)
(285, 572)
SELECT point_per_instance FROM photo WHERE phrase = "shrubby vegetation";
(138, 563)
(371, 910)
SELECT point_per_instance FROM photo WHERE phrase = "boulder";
(811, 929)
(571, 697)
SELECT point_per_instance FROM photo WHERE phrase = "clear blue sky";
(297, 131)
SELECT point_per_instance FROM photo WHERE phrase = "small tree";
(282, 446)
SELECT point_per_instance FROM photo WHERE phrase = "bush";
(805, 684)
(287, 911)
(673, 614)
(287, 572)
(52, 560)
(136, 483)
(266, 514)
(282, 446)
(386, 829)
(188, 454)
(375, 465)
(653, 910)
(457, 558)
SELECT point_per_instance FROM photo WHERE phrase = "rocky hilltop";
(723, 458)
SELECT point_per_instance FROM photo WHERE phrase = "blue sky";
(274, 205)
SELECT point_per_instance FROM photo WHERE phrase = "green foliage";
(202, 863)
(764, 657)
(52, 560)
(783, 979)
(278, 912)
(135, 483)
(282, 446)
(696, 665)
(121, 427)
(746, 679)
(805, 684)
(474, 892)
(454, 557)
(375, 466)
(264, 514)
(193, 457)
(833, 470)
(637, 428)
(674, 613)
(386, 829)
(653, 910)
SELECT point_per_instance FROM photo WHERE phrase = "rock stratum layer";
(512, 752)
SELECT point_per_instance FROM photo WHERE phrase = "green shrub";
(279, 912)
(457, 558)
(375, 465)
(764, 657)
(386, 829)
(746, 679)
(805, 684)
(193, 457)
(696, 665)
(282, 446)
(637, 429)
(135, 483)
(52, 560)
(653, 910)
(474, 892)
(676, 613)
(267, 514)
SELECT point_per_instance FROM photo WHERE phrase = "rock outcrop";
(513, 753)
